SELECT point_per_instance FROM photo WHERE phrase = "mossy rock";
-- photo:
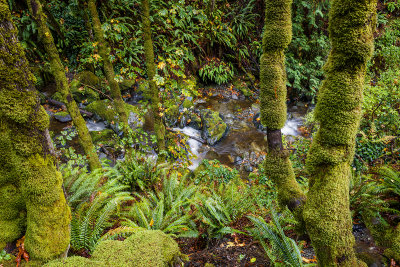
(105, 137)
(126, 84)
(57, 96)
(88, 78)
(105, 110)
(214, 128)
(63, 116)
(144, 248)
(83, 94)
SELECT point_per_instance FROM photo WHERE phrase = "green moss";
(278, 25)
(57, 69)
(214, 128)
(393, 252)
(75, 261)
(82, 93)
(57, 96)
(277, 36)
(32, 202)
(107, 65)
(88, 78)
(144, 248)
(278, 168)
(159, 127)
(127, 84)
(106, 111)
(273, 90)
(103, 137)
(62, 114)
(338, 110)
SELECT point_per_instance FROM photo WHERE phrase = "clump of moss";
(214, 127)
(88, 78)
(144, 248)
(105, 110)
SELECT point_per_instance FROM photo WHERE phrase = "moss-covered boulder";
(88, 78)
(83, 93)
(144, 248)
(57, 96)
(214, 127)
(105, 110)
(62, 116)
(127, 84)
(105, 137)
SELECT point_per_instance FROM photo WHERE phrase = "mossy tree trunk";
(151, 69)
(104, 52)
(32, 201)
(277, 36)
(326, 212)
(57, 69)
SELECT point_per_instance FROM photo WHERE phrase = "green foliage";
(300, 146)
(392, 5)
(95, 199)
(381, 104)
(4, 256)
(215, 70)
(217, 209)
(367, 151)
(309, 47)
(391, 179)
(281, 250)
(366, 198)
(139, 171)
(214, 171)
(167, 210)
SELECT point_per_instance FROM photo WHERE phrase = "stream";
(243, 140)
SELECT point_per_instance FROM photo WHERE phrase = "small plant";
(391, 179)
(94, 198)
(167, 210)
(4, 256)
(215, 70)
(219, 208)
(214, 171)
(281, 250)
(366, 197)
(139, 171)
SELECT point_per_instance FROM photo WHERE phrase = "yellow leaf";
(151, 222)
(161, 65)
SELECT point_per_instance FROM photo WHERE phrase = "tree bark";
(159, 127)
(57, 69)
(326, 213)
(277, 165)
(32, 201)
(104, 52)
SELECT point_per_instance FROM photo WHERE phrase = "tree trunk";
(57, 69)
(32, 201)
(277, 36)
(151, 69)
(104, 52)
(326, 213)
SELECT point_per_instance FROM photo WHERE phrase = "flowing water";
(243, 137)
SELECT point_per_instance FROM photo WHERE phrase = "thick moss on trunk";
(57, 69)
(104, 51)
(277, 36)
(32, 201)
(327, 213)
(151, 69)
